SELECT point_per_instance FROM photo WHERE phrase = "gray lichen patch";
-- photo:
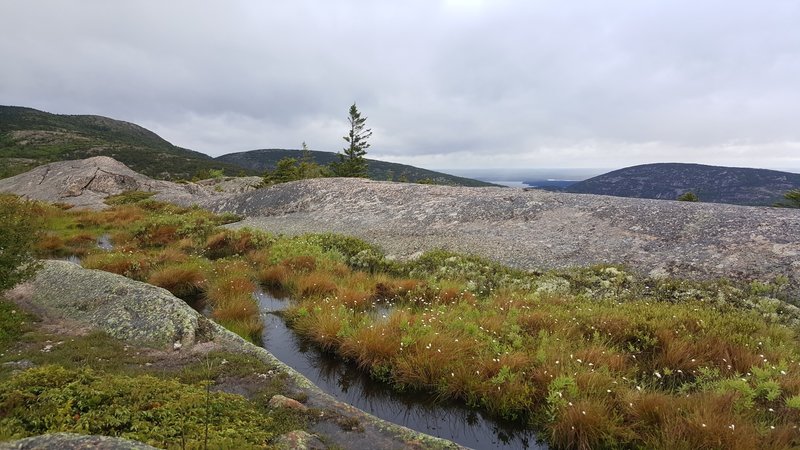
(126, 309)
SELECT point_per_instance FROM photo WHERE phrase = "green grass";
(13, 323)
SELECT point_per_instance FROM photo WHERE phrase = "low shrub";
(128, 197)
(160, 412)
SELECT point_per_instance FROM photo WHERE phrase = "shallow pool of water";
(413, 410)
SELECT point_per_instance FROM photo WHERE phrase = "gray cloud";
(454, 83)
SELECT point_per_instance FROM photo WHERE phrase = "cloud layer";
(448, 84)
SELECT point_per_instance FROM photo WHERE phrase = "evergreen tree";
(793, 198)
(290, 169)
(688, 197)
(352, 162)
(307, 167)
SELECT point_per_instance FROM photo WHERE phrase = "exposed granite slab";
(536, 229)
(85, 183)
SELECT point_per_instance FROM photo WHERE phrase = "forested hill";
(261, 160)
(716, 184)
(29, 138)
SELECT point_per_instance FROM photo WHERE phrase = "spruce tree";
(352, 162)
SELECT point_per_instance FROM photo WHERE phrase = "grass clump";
(184, 280)
(128, 197)
(132, 265)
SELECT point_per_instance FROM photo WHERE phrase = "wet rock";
(299, 440)
(279, 401)
(70, 441)
(126, 309)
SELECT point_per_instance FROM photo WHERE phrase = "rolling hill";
(715, 184)
(29, 138)
(261, 160)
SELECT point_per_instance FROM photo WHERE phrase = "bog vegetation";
(593, 357)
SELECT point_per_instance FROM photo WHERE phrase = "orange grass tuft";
(315, 284)
(586, 425)
(354, 299)
(273, 276)
(300, 264)
(182, 281)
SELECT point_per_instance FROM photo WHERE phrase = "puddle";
(104, 242)
(73, 259)
(413, 410)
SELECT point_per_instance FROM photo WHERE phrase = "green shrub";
(128, 197)
(12, 323)
(19, 228)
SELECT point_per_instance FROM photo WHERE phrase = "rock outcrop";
(85, 183)
(71, 441)
(123, 308)
(536, 229)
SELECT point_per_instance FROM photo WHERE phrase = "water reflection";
(415, 410)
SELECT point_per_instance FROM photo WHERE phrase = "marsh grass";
(132, 265)
(184, 280)
(594, 357)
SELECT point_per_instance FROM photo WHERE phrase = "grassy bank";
(595, 357)
(94, 384)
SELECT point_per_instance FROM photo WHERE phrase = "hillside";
(29, 138)
(713, 184)
(261, 160)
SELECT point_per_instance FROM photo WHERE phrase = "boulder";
(123, 308)
(86, 183)
(280, 401)
(71, 441)
(299, 440)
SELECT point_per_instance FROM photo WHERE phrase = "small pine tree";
(290, 169)
(307, 167)
(352, 162)
(688, 197)
(285, 171)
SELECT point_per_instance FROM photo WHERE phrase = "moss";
(164, 413)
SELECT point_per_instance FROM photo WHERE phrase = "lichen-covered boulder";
(70, 441)
(123, 308)
(299, 440)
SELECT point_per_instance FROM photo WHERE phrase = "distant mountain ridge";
(29, 138)
(264, 159)
(715, 184)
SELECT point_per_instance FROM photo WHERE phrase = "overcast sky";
(444, 84)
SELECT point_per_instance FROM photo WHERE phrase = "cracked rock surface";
(85, 183)
(536, 229)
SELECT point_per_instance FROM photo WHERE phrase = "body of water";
(417, 411)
